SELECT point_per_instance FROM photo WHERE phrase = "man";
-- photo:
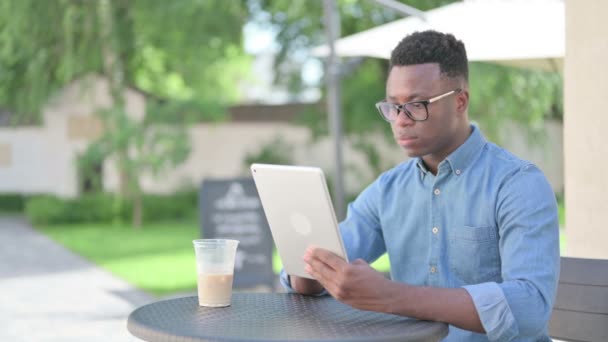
(471, 230)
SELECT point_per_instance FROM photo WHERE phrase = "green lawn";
(159, 258)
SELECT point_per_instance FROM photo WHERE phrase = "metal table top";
(274, 317)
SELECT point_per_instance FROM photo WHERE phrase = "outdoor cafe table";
(274, 317)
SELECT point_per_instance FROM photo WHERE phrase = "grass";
(159, 258)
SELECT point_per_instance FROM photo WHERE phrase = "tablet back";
(299, 212)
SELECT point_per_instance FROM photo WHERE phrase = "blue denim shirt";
(487, 222)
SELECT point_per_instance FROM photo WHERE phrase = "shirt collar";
(463, 156)
(421, 166)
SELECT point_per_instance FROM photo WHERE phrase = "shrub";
(94, 207)
(13, 203)
(278, 151)
(45, 209)
(106, 207)
(167, 207)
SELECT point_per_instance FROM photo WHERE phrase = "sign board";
(231, 209)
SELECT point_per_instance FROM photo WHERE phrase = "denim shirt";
(487, 222)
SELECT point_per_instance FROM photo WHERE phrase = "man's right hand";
(305, 286)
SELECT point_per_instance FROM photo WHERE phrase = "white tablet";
(299, 212)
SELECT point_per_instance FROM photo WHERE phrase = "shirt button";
(437, 191)
(433, 269)
(435, 230)
(457, 172)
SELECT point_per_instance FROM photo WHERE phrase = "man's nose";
(403, 119)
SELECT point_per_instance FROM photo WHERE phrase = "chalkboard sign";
(231, 209)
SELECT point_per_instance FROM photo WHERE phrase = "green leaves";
(184, 54)
(277, 151)
(360, 92)
(502, 96)
(189, 49)
(43, 45)
(171, 49)
(185, 112)
(148, 147)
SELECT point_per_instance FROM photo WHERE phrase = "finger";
(329, 258)
(308, 253)
(312, 254)
(321, 269)
(327, 276)
(325, 281)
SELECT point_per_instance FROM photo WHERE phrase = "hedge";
(105, 207)
(13, 203)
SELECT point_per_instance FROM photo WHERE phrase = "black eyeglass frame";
(425, 103)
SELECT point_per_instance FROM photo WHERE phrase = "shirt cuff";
(494, 311)
(284, 279)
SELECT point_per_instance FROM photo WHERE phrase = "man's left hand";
(356, 284)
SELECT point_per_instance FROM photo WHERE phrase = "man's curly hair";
(432, 47)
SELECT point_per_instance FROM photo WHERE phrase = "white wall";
(33, 167)
(43, 159)
(218, 151)
(585, 122)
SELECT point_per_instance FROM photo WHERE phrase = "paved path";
(48, 293)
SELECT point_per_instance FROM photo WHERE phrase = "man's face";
(436, 135)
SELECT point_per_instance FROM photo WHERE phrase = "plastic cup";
(215, 269)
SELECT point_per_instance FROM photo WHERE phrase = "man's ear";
(462, 101)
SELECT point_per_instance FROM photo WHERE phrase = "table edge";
(148, 333)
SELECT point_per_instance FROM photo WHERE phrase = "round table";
(274, 317)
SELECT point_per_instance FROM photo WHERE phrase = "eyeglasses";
(415, 110)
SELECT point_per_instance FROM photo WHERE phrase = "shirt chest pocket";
(473, 254)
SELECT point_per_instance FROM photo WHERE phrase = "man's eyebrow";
(412, 96)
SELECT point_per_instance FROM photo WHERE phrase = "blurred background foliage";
(188, 59)
(103, 208)
(179, 53)
(277, 151)
(500, 95)
(170, 49)
(189, 56)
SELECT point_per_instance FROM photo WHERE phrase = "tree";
(183, 50)
(504, 95)
(173, 50)
(500, 95)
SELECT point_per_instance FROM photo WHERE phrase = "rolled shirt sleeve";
(284, 279)
(494, 311)
(520, 306)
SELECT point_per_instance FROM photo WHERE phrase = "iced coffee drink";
(215, 268)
